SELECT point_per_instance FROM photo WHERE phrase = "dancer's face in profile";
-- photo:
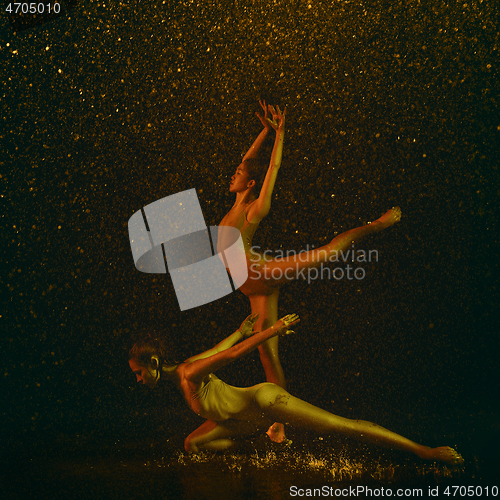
(240, 180)
(144, 374)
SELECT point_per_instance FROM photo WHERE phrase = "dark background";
(120, 104)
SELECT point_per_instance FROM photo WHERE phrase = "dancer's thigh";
(256, 284)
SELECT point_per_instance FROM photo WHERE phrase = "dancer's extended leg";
(275, 272)
(277, 404)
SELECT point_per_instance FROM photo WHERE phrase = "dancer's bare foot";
(276, 432)
(389, 218)
(442, 454)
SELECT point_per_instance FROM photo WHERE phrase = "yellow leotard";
(215, 400)
(247, 230)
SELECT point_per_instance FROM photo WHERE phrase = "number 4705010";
(471, 491)
(33, 8)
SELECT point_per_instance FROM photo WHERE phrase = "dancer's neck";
(244, 198)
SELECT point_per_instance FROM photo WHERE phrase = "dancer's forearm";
(277, 153)
(253, 152)
(251, 343)
(200, 366)
(225, 344)
(263, 203)
(228, 342)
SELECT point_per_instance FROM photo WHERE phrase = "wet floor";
(308, 466)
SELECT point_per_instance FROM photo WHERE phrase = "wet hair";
(145, 348)
(257, 170)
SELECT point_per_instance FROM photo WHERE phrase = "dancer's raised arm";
(254, 150)
(243, 332)
(198, 368)
(260, 207)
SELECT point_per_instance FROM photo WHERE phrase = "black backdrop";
(118, 105)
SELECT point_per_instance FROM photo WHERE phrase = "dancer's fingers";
(291, 319)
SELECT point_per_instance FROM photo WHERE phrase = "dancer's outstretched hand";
(246, 327)
(264, 119)
(283, 324)
(278, 121)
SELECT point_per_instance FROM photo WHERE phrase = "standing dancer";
(266, 275)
